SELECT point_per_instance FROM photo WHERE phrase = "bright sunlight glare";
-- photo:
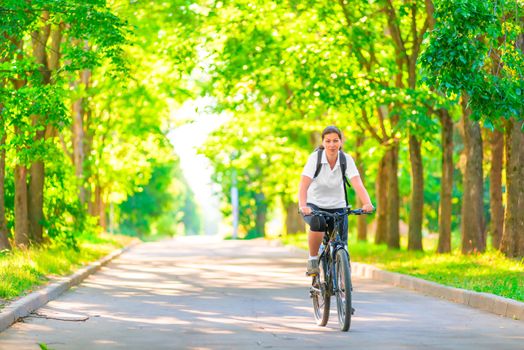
(196, 168)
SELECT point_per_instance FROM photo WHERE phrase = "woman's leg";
(316, 231)
(314, 238)
(315, 235)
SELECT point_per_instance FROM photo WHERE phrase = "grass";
(23, 270)
(490, 272)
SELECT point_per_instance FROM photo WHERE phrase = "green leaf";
(489, 125)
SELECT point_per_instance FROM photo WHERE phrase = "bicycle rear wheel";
(320, 295)
(343, 290)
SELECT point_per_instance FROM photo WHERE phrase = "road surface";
(201, 293)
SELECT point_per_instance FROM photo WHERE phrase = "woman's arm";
(302, 194)
(362, 193)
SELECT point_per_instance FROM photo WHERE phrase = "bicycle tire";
(321, 298)
(343, 290)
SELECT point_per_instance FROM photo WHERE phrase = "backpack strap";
(319, 162)
(343, 167)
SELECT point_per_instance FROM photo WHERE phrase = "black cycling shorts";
(318, 223)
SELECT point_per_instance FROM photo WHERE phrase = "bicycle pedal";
(352, 311)
(311, 274)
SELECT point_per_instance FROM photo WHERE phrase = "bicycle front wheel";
(343, 290)
(320, 294)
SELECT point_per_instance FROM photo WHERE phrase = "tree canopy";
(428, 95)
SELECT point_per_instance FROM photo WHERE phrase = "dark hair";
(331, 130)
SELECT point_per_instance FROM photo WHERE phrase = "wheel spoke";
(321, 301)
(343, 291)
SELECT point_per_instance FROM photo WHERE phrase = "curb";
(27, 304)
(483, 301)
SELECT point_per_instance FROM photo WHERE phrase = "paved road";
(193, 294)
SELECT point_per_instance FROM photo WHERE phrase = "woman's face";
(332, 143)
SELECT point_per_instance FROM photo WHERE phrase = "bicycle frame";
(332, 264)
(332, 243)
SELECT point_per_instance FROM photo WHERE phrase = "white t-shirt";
(326, 189)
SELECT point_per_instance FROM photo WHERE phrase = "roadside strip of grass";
(490, 272)
(23, 270)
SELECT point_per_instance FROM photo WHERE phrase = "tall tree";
(4, 242)
(446, 186)
(495, 187)
(406, 60)
(381, 190)
(47, 59)
(512, 243)
(474, 51)
(22, 235)
(472, 224)
(80, 113)
(361, 220)
(513, 237)
(32, 41)
(4, 233)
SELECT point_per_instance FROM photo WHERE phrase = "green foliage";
(35, 98)
(138, 55)
(473, 49)
(250, 152)
(160, 205)
(65, 218)
(282, 86)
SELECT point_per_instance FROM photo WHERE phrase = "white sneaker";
(312, 267)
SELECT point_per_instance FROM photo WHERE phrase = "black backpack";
(343, 167)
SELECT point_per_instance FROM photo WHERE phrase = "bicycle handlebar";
(347, 211)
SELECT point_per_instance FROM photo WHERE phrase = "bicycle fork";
(336, 287)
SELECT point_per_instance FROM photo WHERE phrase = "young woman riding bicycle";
(323, 188)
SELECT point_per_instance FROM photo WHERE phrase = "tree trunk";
(88, 171)
(79, 111)
(20, 174)
(446, 184)
(417, 195)
(99, 208)
(47, 64)
(513, 236)
(362, 224)
(4, 241)
(393, 234)
(21, 219)
(315, 138)
(495, 188)
(36, 200)
(102, 212)
(381, 187)
(261, 214)
(473, 239)
(294, 222)
(78, 148)
(512, 243)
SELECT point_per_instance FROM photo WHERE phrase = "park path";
(204, 293)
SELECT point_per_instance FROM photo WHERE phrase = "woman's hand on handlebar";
(305, 210)
(368, 208)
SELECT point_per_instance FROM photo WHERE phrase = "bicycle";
(335, 274)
